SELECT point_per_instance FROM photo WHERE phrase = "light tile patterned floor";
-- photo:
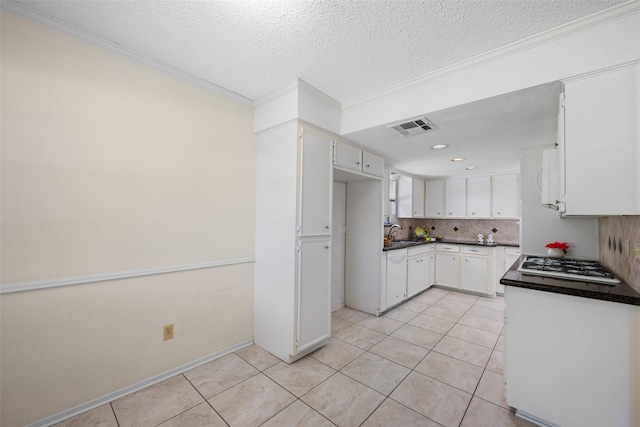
(436, 360)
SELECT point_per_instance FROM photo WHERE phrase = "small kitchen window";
(393, 186)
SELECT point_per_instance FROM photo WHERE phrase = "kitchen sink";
(405, 242)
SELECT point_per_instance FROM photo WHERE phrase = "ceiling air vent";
(412, 127)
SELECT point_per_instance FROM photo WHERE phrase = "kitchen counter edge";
(620, 293)
(449, 242)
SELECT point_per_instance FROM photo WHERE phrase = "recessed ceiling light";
(470, 168)
(439, 146)
(457, 159)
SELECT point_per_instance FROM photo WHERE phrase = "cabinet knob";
(326, 226)
(368, 166)
(499, 213)
(326, 247)
(473, 213)
(357, 163)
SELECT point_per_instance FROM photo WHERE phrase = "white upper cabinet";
(479, 197)
(456, 197)
(504, 196)
(435, 207)
(410, 197)
(315, 186)
(372, 164)
(602, 143)
(349, 157)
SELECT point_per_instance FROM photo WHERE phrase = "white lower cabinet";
(448, 265)
(465, 267)
(418, 270)
(475, 269)
(570, 361)
(505, 257)
(396, 276)
(314, 299)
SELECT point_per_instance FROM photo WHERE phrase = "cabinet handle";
(326, 247)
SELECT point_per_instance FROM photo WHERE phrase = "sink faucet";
(392, 229)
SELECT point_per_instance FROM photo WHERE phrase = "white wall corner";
(24, 11)
(279, 106)
(317, 108)
(297, 100)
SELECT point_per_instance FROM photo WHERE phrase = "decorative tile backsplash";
(505, 231)
(620, 247)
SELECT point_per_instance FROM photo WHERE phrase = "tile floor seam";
(204, 399)
(114, 413)
(385, 395)
(413, 410)
(292, 403)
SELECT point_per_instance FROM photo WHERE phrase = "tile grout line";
(411, 370)
(205, 399)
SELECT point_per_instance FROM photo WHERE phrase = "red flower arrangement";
(558, 245)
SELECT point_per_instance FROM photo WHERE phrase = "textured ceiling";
(349, 49)
(346, 48)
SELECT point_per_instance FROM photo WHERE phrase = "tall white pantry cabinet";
(292, 307)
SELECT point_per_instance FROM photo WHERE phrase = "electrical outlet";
(168, 332)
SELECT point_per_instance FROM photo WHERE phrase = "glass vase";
(555, 253)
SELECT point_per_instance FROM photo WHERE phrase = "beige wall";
(109, 166)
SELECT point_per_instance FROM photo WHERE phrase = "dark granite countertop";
(622, 292)
(414, 243)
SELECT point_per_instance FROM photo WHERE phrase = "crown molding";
(24, 11)
(545, 37)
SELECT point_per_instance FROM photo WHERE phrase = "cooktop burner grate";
(576, 269)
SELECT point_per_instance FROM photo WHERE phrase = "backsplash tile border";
(507, 231)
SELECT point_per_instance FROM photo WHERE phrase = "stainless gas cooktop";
(567, 268)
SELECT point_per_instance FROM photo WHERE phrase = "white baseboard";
(84, 407)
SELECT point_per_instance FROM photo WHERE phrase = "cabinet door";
(347, 156)
(434, 205)
(431, 278)
(316, 185)
(601, 143)
(479, 197)
(414, 276)
(455, 197)
(313, 310)
(417, 198)
(504, 196)
(396, 276)
(372, 164)
(404, 200)
(448, 269)
(417, 270)
(474, 273)
(509, 257)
